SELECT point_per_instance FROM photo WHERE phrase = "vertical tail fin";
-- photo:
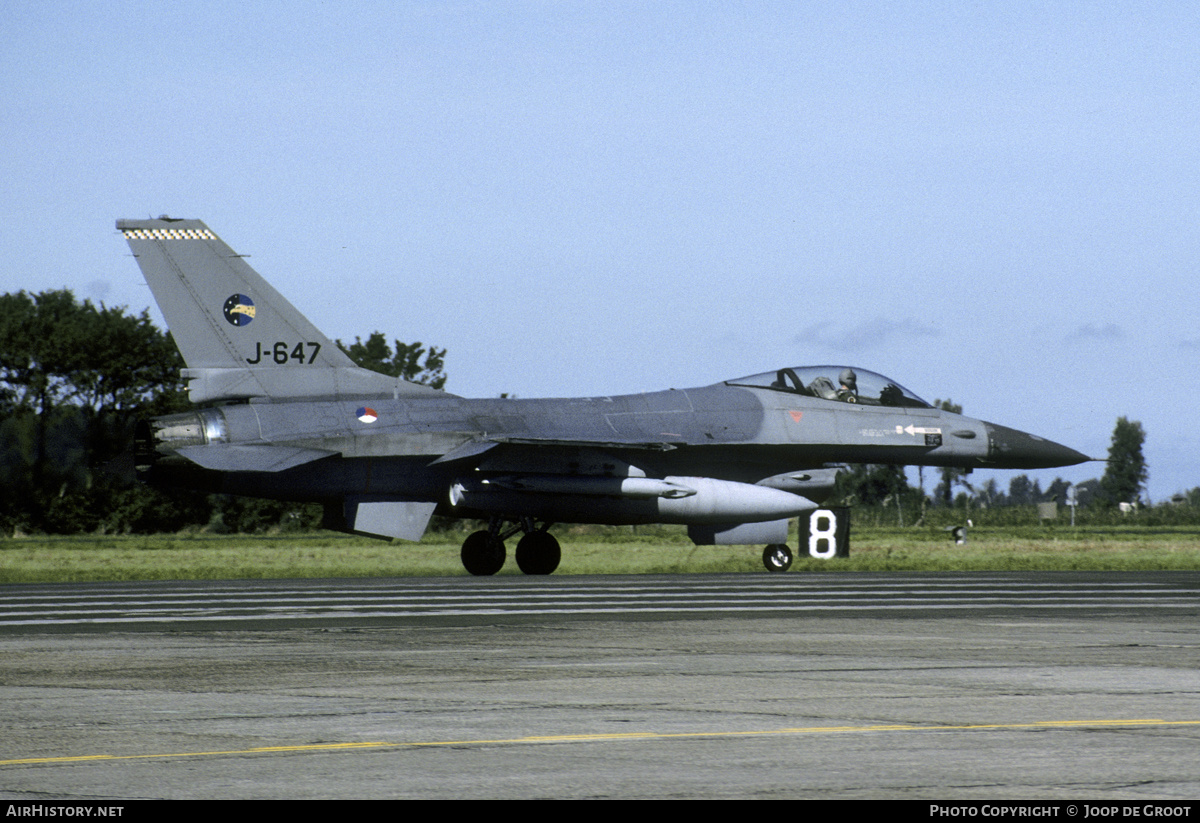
(240, 337)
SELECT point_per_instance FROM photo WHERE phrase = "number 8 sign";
(827, 532)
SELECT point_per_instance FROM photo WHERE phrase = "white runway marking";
(374, 599)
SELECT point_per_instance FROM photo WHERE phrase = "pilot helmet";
(849, 379)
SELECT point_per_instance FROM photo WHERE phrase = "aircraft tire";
(482, 554)
(538, 553)
(777, 557)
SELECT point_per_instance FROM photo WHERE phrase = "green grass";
(586, 550)
(1021, 548)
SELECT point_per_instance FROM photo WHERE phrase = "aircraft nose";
(1012, 449)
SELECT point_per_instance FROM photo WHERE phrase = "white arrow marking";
(915, 430)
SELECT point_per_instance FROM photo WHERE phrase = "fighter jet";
(285, 414)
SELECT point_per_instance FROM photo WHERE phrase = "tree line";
(74, 380)
(76, 377)
(1123, 482)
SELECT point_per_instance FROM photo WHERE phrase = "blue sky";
(991, 202)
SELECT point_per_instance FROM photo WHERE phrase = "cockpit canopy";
(844, 384)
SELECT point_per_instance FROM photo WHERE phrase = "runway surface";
(907, 686)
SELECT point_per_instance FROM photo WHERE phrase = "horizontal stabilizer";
(230, 458)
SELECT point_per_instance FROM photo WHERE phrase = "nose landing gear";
(777, 557)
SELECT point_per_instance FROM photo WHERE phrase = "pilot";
(848, 388)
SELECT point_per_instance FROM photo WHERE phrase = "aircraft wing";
(474, 448)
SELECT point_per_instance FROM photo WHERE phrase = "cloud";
(1089, 332)
(871, 334)
(98, 290)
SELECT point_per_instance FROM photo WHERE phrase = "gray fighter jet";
(285, 414)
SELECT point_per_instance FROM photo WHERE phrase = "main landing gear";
(538, 552)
